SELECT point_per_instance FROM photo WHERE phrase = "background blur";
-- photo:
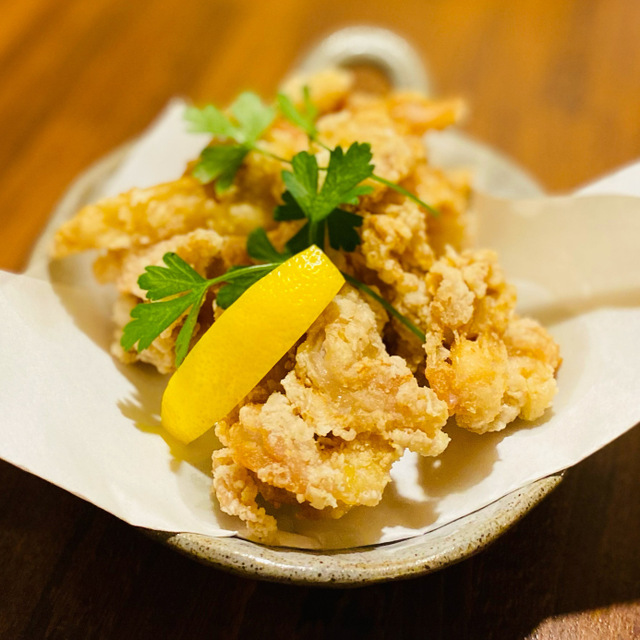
(554, 84)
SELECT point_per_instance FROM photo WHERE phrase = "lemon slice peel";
(246, 341)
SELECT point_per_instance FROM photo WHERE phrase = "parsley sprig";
(322, 206)
(305, 119)
(220, 163)
(315, 194)
(250, 118)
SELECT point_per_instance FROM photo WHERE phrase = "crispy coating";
(417, 114)
(486, 363)
(534, 358)
(328, 89)
(449, 193)
(143, 217)
(345, 382)
(394, 156)
(398, 249)
(236, 490)
(345, 413)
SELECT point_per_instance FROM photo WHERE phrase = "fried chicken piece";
(533, 360)
(236, 490)
(479, 354)
(345, 382)
(393, 257)
(400, 243)
(449, 193)
(487, 364)
(142, 217)
(394, 126)
(282, 450)
(345, 413)
(416, 114)
(209, 253)
(400, 240)
(395, 247)
(328, 89)
(367, 119)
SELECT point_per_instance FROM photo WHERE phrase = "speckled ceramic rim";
(352, 567)
(366, 565)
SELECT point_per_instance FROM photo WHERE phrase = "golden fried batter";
(236, 490)
(345, 413)
(328, 89)
(345, 382)
(143, 217)
(488, 365)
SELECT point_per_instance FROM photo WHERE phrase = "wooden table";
(555, 84)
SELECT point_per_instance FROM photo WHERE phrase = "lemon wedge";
(246, 341)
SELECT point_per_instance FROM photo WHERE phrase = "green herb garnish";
(185, 289)
(315, 194)
(304, 118)
(251, 118)
(320, 206)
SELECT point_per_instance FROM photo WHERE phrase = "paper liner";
(75, 417)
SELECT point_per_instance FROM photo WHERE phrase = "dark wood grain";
(554, 84)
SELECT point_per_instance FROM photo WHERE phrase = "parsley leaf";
(345, 173)
(251, 117)
(149, 320)
(341, 226)
(259, 247)
(290, 210)
(185, 335)
(211, 120)
(341, 184)
(302, 184)
(220, 164)
(304, 118)
(162, 282)
(342, 229)
(240, 278)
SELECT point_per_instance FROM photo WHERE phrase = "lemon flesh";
(246, 341)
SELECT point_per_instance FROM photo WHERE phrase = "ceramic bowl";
(419, 555)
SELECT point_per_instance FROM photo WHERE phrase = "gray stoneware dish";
(407, 558)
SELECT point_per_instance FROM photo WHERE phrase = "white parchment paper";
(72, 415)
